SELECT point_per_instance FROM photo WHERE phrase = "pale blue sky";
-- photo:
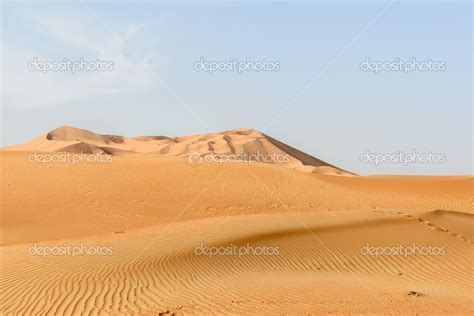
(319, 101)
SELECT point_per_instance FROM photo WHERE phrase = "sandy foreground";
(156, 235)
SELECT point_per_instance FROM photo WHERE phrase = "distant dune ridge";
(234, 142)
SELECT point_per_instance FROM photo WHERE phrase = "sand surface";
(158, 217)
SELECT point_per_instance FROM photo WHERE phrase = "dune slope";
(319, 268)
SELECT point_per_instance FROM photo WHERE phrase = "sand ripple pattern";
(317, 261)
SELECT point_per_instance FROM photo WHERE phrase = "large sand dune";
(235, 142)
(158, 213)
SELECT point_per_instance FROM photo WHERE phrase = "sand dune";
(156, 215)
(235, 142)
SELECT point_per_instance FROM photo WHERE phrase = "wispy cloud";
(65, 33)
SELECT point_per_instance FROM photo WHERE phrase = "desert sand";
(155, 212)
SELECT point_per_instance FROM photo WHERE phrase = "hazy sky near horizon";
(319, 101)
